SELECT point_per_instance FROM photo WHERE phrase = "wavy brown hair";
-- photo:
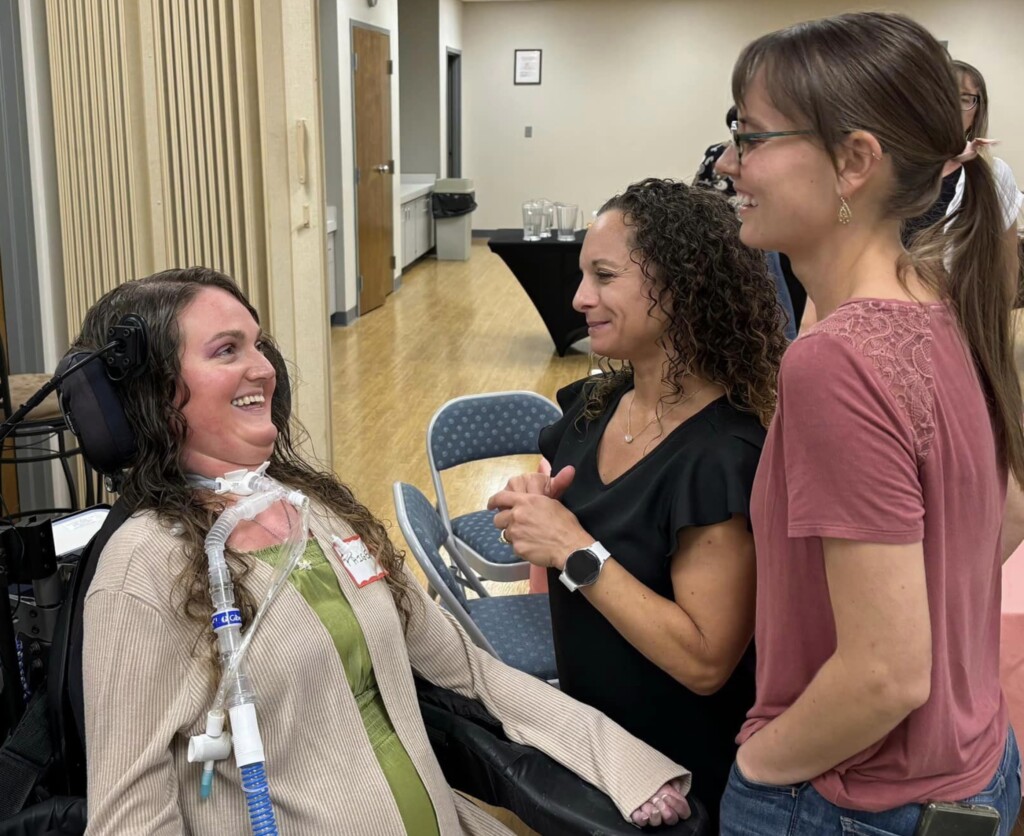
(722, 307)
(155, 479)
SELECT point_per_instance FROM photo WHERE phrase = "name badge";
(361, 566)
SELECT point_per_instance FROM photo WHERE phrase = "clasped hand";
(539, 527)
(667, 806)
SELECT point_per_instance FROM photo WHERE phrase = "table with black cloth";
(549, 272)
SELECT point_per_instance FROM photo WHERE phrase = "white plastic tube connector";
(246, 733)
(215, 744)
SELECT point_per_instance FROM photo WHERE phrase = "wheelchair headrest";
(94, 412)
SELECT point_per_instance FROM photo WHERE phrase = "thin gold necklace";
(628, 437)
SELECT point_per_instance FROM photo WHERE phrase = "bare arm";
(879, 673)
(698, 636)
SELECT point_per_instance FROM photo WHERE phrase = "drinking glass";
(567, 215)
(532, 216)
(547, 221)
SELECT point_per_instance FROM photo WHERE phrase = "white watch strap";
(602, 555)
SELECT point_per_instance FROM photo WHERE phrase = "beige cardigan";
(147, 692)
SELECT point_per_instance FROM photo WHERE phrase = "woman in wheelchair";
(332, 662)
(645, 521)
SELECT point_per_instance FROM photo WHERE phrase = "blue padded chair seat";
(477, 531)
(519, 629)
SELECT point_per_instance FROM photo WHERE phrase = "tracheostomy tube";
(257, 492)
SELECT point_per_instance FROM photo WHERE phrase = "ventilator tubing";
(236, 692)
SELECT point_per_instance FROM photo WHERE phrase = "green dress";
(314, 579)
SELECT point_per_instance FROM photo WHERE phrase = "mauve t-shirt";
(882, 435)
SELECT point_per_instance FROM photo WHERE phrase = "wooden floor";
(454, 328)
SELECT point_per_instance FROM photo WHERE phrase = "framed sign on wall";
(527, 66)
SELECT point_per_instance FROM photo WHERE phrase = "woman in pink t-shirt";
(880, 494)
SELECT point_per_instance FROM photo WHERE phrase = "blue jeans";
(752, 809)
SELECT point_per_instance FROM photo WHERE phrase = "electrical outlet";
(528, 132)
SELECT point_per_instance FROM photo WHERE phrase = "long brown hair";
(885, 74)
(724, 318)
(155, 480)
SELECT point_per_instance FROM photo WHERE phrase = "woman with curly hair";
(345, 744)
(645, 521)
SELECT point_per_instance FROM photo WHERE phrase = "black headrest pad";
(92, 407)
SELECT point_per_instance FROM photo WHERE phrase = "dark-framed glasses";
(969, 101)
(744, 142)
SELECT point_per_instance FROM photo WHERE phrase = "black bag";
(452, 204)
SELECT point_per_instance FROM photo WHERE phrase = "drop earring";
(845, 215)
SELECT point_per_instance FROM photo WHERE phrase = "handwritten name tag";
(361, 566)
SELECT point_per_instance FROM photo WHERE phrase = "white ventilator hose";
(235, 691)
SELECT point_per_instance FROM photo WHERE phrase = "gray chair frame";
(438, 585)
(487, 569)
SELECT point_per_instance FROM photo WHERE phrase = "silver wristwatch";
(583, 567)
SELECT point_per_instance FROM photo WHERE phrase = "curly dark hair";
(155, 479)
(725, 321)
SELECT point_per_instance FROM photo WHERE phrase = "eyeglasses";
(743, 142)
(969, 101)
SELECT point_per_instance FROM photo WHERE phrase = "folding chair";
(513, 628)
(479, 427)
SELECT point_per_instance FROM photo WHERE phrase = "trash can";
(452, 204)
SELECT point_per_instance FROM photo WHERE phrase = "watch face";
(583, 567)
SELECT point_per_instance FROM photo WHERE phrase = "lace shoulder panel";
(897, 340)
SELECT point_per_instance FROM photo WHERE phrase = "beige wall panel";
(293, 182)
(175, 143)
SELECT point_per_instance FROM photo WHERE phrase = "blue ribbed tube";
(257, 799)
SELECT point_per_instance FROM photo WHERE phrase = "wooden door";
(371, 52)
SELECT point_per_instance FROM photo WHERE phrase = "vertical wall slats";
(201, 160)
(92, 112)
(230, 135)
(120, 146)
(255, 278)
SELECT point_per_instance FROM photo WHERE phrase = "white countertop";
(411, 191)
(413, 186)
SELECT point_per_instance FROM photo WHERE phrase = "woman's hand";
(541, 482)
(667, 806)
(539, 528)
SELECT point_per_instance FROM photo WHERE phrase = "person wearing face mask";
(879, 503)
(332, 661)
(643, 527)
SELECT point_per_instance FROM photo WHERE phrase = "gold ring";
(501, 538)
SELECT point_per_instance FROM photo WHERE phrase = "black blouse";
(700, 474)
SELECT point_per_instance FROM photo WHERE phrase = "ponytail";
(980, 288)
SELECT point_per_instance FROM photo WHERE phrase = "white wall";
(449, 37)
(640, 88)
